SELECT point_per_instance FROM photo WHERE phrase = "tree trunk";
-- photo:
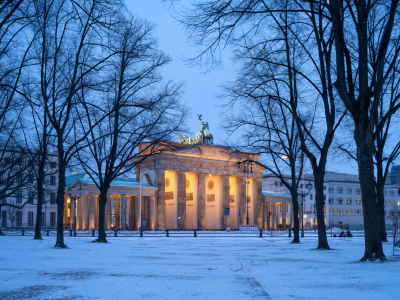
(380, 197)
(296, 225)
(38, 233)
(60, 206)
(373, 240)
(1, 223)
(102, 238)
(320, 202)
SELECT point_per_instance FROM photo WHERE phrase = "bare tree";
(12, 214)
(297, 42)
(366, 49)
(138, 109)
(269, 129)
(71, 35)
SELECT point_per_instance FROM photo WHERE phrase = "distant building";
(343, 202)
(18, 186)
(393, 178)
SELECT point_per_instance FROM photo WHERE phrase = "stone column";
(152, 225)
(117, 214)
(72, 214)
(225, 201)
(65, 221)
(79, 211)
(277, 215)
(284, 216)
(131, 212)
(242, 199)
(122, 204)
(258, 202)
(291, 216)
(274, 216)
(108, 214)
(160, 205)
(201, 201)
(182, 200)
(85, 212)
(138, 212)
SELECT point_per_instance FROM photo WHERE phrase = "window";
(52, 198)
(310, 196)
(19, 218)
(391, 192)
(324, 187)
(391, 202)
(287, 207)
(324, 209)
(30, 178)
(276, 183)
(280, 183)
(43, 215)
(30, 197)
(385, 193)
(358, 212)
(339, 201)
(358, 191)
(30, 218)
(301, 186)
(331, 200)
(358, 201)
(340, 212)
(53, 164)
(398, 202)
(349, 191)
(349, 201)
(331, 212)
(52, 180)
(309, 186)
(52, 218)
(340, 190)
(324, 197)
(310, 207)
(4, 218)
(331, 190)
(18, 196)
(385, 202)
(348, 212)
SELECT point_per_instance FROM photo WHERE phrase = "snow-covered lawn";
(193, 268)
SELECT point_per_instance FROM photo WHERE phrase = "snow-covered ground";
(193, 268)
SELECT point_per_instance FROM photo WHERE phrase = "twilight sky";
(200, 89)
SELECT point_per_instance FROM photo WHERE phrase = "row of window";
(18, 178)
(349, 212)
(18, 219)
(28, 162)
(348, 201)
(18, 197)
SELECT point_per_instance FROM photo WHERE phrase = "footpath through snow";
(193, 268)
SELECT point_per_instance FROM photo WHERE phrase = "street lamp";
(302, 194)
(247, 173)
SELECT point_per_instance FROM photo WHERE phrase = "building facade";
(18, 182)
(343, 202)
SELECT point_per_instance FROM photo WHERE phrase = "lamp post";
(303, 194)
(247, 172)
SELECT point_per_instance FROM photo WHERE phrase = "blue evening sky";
(200, 89)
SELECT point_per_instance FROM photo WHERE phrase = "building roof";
(119, 181)
(276, 194)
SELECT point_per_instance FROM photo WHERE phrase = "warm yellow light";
(166, 171)
(210, 175)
